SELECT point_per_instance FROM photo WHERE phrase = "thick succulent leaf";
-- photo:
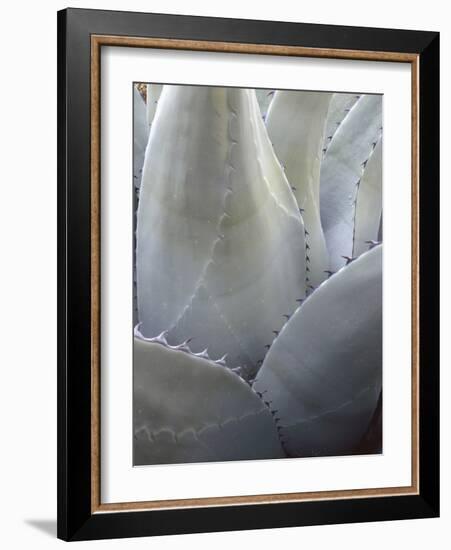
(380, 231)
(140, 136)
(339, 108)
(189, 409)
(153, 96)
(324, 371)
(218, 227)
(264, 98)
(296, 125)
(341, 171)
(368, 207)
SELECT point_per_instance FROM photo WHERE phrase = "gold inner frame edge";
(97, 41)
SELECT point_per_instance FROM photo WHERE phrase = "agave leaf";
(264, 98)
(140, 136)
(324, 371)
(339, 108)
(368, 207)
(189, 409)
(218, 227)
(341, 171)
(380, 231)
(296, 125)
(153, 96)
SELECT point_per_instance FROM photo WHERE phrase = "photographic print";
(237, 347)
(257, 274)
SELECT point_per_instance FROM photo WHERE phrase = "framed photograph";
(248, 274)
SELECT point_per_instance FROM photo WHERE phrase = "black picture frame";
(76, 518)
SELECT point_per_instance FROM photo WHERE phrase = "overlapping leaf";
(218, 227)
(342, 169)
(189, 409)
(324, 372)
(296, 127)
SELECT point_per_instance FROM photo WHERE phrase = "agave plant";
(258, 273)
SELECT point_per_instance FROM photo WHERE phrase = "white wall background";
(28, 273)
